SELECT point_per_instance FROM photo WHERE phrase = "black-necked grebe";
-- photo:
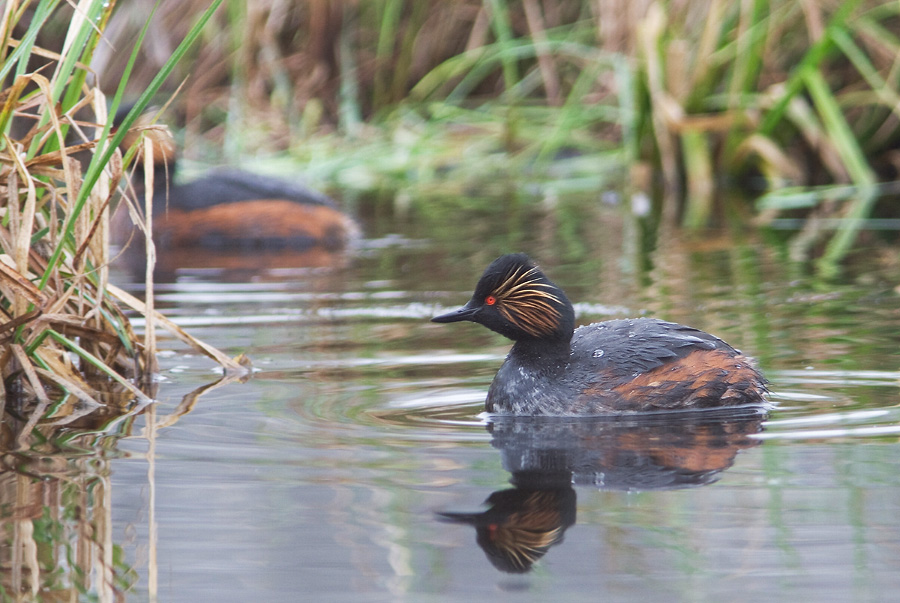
(629, 365)
(233, 209)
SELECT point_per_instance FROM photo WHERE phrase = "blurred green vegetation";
(792, 105)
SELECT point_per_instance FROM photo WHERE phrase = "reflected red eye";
(490, 300)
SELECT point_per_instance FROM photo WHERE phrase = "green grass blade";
(68, 79)
(100, 17)
(19, 57)
(854, 160)
(629, 110)
(838, 129)
(810, 62)
(750, 48)
(75, 51)
(804, 198)
(98, 364)
(502, 27)
(102, 157)
(389, 25)
(349, 110)
(865, 68)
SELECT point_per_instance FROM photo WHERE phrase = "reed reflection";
(56, 527)
(56, 502)
(548, 455)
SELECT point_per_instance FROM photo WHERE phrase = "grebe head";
(515, 299)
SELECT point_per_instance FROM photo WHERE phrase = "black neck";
(542, 350)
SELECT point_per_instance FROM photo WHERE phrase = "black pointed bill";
(464, 313)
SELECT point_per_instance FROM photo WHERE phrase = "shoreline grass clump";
(66, 346)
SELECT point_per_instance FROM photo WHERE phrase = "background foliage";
(793, 102)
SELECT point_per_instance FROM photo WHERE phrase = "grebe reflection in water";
(548, 455)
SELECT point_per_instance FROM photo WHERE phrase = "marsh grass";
(68, 349)
(73, 373)
(802, 94)
(703, 95)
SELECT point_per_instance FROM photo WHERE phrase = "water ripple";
(820, 434)
(848, 424)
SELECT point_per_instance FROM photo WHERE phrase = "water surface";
(354, 464)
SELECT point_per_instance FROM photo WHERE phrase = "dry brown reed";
(283, 63)
(41, 496)
(53, 311)
(67, 348)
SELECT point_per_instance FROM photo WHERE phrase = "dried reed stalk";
(64, 335)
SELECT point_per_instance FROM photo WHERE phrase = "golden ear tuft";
(529, 303)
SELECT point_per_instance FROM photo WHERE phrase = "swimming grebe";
(234, 210)
(616, 366)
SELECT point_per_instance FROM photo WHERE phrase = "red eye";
(490, 300)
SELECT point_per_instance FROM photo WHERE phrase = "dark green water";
(323, 477)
